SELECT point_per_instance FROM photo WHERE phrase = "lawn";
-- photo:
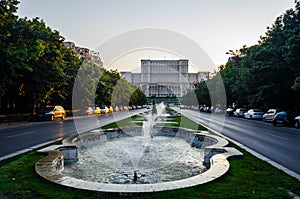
(248, 177)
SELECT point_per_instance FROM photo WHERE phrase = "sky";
(216, 26)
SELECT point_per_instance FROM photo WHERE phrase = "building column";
(181, 90)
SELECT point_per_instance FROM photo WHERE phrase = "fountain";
(135, 159)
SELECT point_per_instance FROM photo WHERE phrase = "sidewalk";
(15, 117)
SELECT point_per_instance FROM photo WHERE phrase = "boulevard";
(25, 136)
(279, 144)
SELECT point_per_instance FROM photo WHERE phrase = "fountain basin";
(215, 155)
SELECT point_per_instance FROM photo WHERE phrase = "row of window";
(164, 69)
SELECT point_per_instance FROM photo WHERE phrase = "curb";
(28, 149)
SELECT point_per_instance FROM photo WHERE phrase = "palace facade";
(165, 78)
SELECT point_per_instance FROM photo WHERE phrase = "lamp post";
(236, 55)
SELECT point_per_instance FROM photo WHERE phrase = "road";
(15, 139)
(279, 144)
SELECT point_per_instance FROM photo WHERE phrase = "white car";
(219, 110)
(254, 114)
(239, 112)
(297, 122)
(148, 106)
(269, 115)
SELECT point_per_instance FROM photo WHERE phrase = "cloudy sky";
(216, 26)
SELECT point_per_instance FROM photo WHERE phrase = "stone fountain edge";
(50, 168)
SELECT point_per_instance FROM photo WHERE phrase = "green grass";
(182, 122)
(126, 122)
(248, 177)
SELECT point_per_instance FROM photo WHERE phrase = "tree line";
(37, 69)
(265, 75)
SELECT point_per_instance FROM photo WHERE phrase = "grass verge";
(135, 121)
(248, 177)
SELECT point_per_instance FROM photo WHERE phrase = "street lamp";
(236, 55)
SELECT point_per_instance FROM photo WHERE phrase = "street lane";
(279, 144)
(26, 135)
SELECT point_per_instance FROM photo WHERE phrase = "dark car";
(282, 118)
(50, 113)
(229, 111)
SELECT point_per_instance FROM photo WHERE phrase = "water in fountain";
(170, 158)
(160, 109)
(143, 158)
(149, 121)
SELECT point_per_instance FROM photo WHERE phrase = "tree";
(268, 72)
(108, 81)
(8, 18)
(35, 64)
(138, 98)
(122, 93)
(202, 94)
(190, 98)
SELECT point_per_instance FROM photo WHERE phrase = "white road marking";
(21, 134)
(276, 136)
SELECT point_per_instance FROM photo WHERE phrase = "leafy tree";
(8, 17)
(122, 93)
(138, 98)
(35, 64)
(268, 72)
(202, 94)
(190, 98)
(107, 83)
(85, 86)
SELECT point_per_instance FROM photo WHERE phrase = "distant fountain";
(150, 119)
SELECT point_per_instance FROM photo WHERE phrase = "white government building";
(164, 78)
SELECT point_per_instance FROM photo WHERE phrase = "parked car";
(282, 118)
(104, 109)
(117, 109)
(269, 115)
(88, 111)
(239, 112)
(97, 110)
(219, 110)
(201, 108)
(297, 122)
(50, 113)
(183, 106)
(110, 109)
(254, 114)
(148, 106)
(125, 108)
(121, 108)
(207, 109)
(230, 111)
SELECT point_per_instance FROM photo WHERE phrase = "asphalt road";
(279, 144)
(21, 137)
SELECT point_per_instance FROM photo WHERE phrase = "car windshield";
(257, 110)
(282, 113)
